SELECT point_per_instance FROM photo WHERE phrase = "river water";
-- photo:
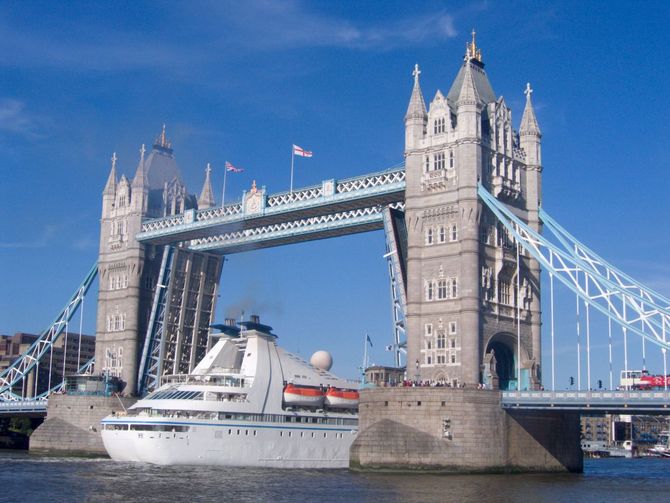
(25, 477)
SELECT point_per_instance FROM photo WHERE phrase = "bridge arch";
(500, 361)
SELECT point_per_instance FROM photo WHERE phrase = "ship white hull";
(247, 444)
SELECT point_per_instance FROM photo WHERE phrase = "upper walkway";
(333, 208)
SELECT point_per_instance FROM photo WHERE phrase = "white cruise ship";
(247, 403)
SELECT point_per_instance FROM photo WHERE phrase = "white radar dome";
(322, 360)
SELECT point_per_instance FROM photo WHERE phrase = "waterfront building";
(67, 357)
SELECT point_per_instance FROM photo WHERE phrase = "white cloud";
(186, 38)
(284, 25)
(15, 119)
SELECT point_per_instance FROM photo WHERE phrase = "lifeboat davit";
(341, 398)
(303, 396)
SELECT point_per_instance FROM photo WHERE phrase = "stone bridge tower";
(129, 270)
(466, 305)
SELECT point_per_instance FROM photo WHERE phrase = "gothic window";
(429, 360)
(426, 168)
(442, 289)
(429, 329)
(429, 290)
(439, 126)
(504, 292)
(454, 288)
(429, 236)
(453, 235)
(429, 345)
(451, 160)
(441, 359)
(438, 161)
(125, 281)
(452, 343)
(452, 327)
(442, 236)
(453, 358)
(441, 340)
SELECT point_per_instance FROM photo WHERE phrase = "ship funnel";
(254, 318)
(230, 322)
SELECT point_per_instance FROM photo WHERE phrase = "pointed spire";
(417, 106)
(529, 123)
(140, 179)
(110, 186)
(468, 94)
(206, 199)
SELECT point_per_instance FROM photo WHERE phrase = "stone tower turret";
(206, 199)
(461, 265)
(128, 272)
(416, 116)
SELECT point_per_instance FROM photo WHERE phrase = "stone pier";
(461, 431)
(72, 425)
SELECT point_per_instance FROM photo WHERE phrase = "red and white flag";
(230, 167)
(299, 151)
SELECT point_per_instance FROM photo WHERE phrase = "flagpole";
(292, 157)
(365, 357)
(223, 195)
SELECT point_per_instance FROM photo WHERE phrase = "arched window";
(454, 288)
(429, 290)
(429, 236)
(454, 233)
(441, 340)
(451, 159)
(426, 168)
(442, 236)
(442, 289)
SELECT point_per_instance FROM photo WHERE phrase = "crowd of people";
(440, 383)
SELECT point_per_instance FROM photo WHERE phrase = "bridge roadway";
(586, 402)
(590, 402)
(24, 408)
(334, 208)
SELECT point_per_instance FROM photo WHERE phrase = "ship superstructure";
(247, 403)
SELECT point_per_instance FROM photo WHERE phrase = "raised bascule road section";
(466, 239)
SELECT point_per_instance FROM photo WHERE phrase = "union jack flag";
(230, 167)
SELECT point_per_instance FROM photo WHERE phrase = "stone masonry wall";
(72, 425)
(459, 430)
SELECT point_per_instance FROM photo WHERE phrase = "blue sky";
(242, 81)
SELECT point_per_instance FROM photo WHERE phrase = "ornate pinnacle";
(471, 49)
(143, 149)
(416, 73)
(528, 91)
(114, 159)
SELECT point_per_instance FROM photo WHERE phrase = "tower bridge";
(464, 246)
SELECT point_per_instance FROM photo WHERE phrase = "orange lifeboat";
(303, 396)
(341, 398)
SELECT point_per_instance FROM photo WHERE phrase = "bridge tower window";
(453, 235)
(430, 287)
(442, 289)
(443, 234)
(438, 161)
(441, 340)
(429, 236)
